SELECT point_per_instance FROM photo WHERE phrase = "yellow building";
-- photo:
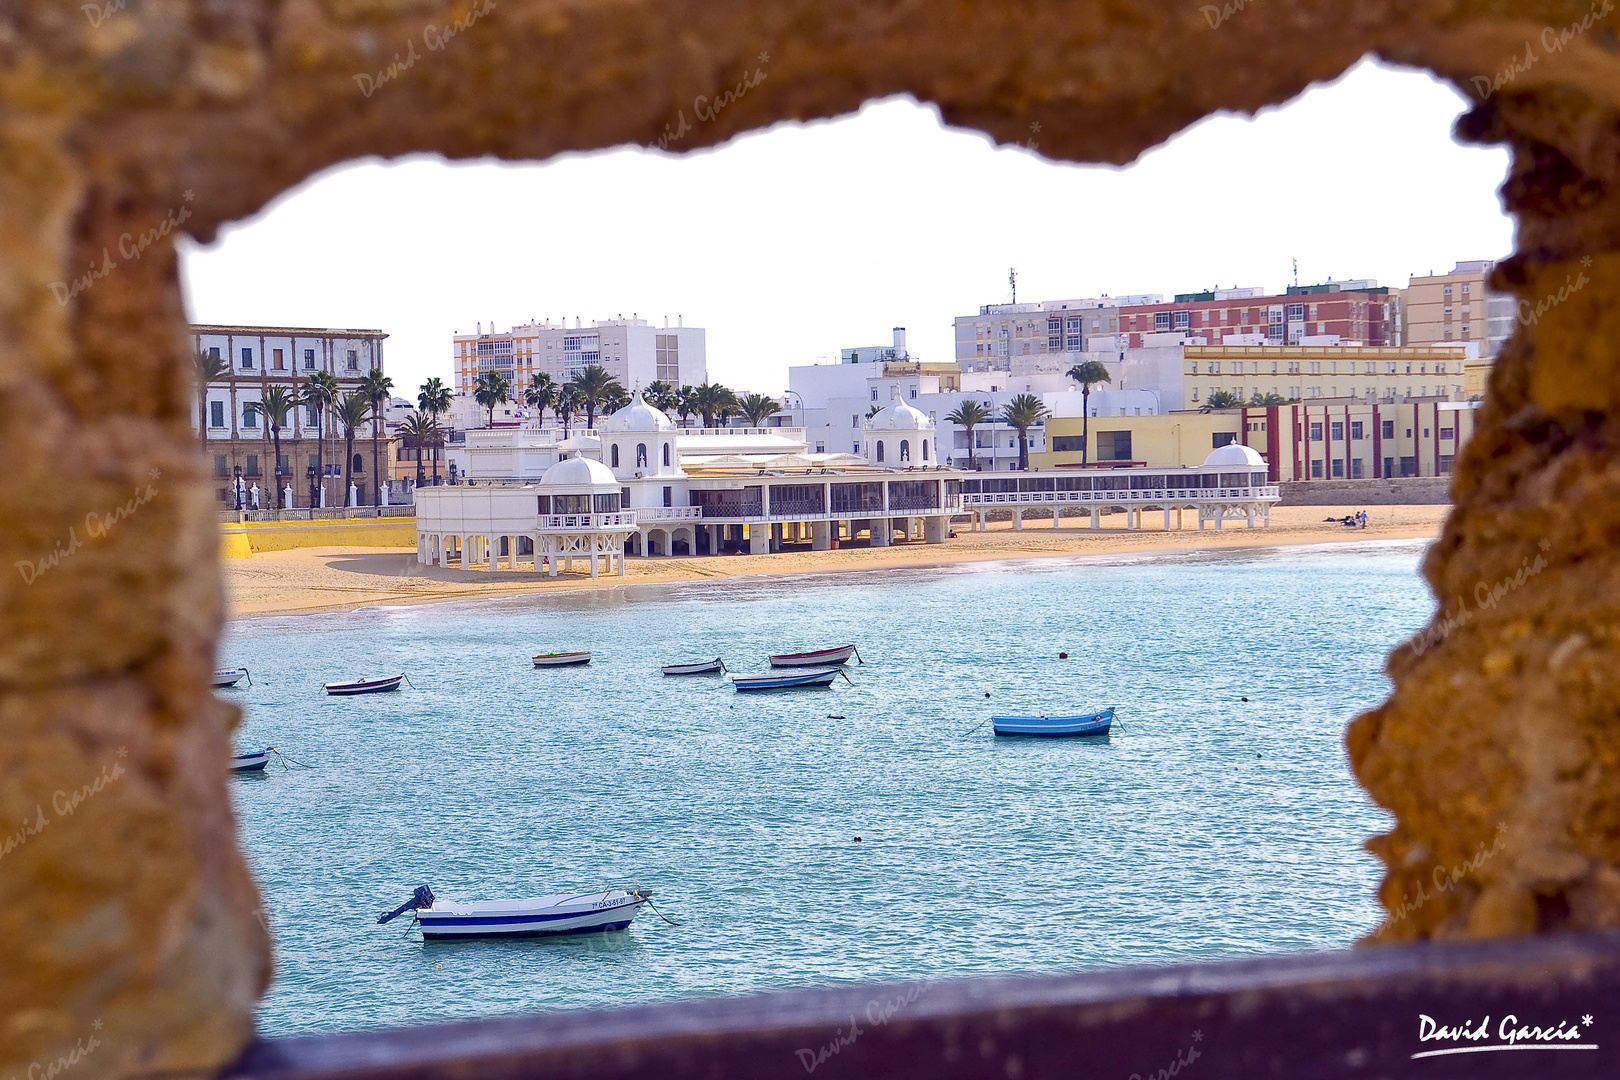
(1304, 440)
(1320, 373)
(1458, 307)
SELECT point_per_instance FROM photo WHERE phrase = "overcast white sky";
(790, 244)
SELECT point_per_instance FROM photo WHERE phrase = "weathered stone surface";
(120, 124)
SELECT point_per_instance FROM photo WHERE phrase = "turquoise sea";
(1208, 827)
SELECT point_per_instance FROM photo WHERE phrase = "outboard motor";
(422, 898)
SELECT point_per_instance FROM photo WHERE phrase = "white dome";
(636, 416)
(899, 417)
(579, 472)
(1235, 455)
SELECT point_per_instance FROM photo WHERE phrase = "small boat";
(251, 762)
(365, 686)
(541, 916)
(707, 667)
(222, 679)
(787, 680)
(819, 658)
(1096, 723)
(562, 659)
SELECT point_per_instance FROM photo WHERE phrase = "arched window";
(359, 463)
(905, 449)
(925, 449)
(615, 461)
(666, 453)
(880, 449)
(641, 455)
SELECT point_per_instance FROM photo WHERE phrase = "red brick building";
(1355, 311)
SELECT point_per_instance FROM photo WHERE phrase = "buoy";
(857, 839)
(987, 693)
(1065, 656)
(1245, 699)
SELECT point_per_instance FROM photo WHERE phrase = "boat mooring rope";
(845, 674)
(858, 659)
(660, 914)
(249, 676)
(409, 683)
(285, 759)
(976, 727)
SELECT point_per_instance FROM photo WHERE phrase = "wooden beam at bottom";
(1534, 1007)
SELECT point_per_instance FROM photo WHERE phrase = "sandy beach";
(310, 580)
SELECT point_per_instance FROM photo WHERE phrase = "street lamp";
(236, 486)
(314, 499)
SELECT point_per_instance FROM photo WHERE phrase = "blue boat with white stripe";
(541, 916)
(791, 679)
(1093, 723)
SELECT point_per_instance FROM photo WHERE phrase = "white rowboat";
(818, 658)
(365, 686)
(224, 678)
(541, 916)
(707, 667)
(562, 659)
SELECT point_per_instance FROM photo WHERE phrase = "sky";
(790, 244)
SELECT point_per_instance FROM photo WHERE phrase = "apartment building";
(1459, 307)
(1360, 312)
(1305, 440)
(632, 350)
(236, 439)
(1336, 372)
(990, 340)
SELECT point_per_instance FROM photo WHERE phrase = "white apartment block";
(265, 356)
(991, 339)
(632, 350)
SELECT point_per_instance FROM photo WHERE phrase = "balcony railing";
(621, 519)
(733, 510)
(1005, 498)
(790, 507)
(647, 514)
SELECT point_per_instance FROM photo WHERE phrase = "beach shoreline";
(310, 581)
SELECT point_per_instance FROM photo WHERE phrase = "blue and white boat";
(1096, 723)
(791, 679)
(252, 762)
(541, 916)
(229, 677)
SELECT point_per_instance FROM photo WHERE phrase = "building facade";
(632, 350)
(990, 340)
(1360, 312)
(1347, 372)
(1459, 307)
(1305, 440)
(238, 441)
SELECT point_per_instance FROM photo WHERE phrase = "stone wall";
(1400, 491)
(124, 125)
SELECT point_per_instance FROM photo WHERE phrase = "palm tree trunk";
(275, 466)
(376, 458)
(1023, 450)
(1085, 423)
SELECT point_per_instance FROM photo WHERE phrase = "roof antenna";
(1296, 273)
(1012, 279)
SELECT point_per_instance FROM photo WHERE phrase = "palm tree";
(422, 432)
(211, 368)
(541, 395)
(1221, 399)
(493, 389)
(970, 414)
(686, 404)
(592, 385)
(873, 411)
(352, 413)
(377, 387)
(617, 398)
(1088, 374)
(434, 399)
(568, 405)
(712, 399)
(660, 395)
(1023, 412)
(757, 407)
(274, 405)
(320, 393)
(1262, 400)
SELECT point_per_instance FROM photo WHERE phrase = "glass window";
(309, 359)
(247, 358)
(250, 415)
(216, 414)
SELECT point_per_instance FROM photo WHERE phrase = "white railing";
(1005, 498)
(668, 513)
(588, 522)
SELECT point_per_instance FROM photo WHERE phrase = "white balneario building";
(638, 485)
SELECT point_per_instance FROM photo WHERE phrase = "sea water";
(1204, 827)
